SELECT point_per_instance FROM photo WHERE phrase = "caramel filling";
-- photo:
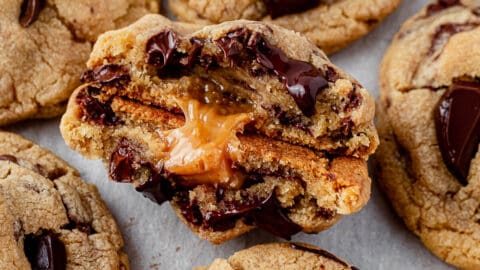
(201, 151)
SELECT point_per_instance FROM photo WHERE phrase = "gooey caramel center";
(201, 151)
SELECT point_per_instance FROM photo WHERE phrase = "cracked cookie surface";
(44, 46)
(293, 256)
(429, 100)
(49, 216)
(330, 24)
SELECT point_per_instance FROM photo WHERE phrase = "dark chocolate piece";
(302, 79)
(277, 8)
(161, 48)
(9, 158)
(45, 252)
(270, 217)
(457, 121)
(96, 111)
(320, 252)
(445, 31)
(106, 74)
(441, 5)
(29, 11)
(125, 166)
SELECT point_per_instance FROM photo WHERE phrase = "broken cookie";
(239, 125)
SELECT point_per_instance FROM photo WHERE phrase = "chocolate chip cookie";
(429, 123)
(294, 256)
(330, 24)
(49, 217)
(44, 46)
(239, 125)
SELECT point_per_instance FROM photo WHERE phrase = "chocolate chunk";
(161, 48)
(45, 252)
(29, 11)
(457, 121)
(123, 162)
(320, 252)
(190, 211)
(441, 5)
(277, 8)
(157, 188)
(9, 158)
(302, 80)
(96, 111)
(106, 74)
(233, 44)
(125, 166)
(445, 31)
(354, 101)
(270, 217)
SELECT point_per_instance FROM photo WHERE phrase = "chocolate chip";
(29, 11)
(45, 252)
(270, 217)
(123, 163)
(233, 44)
(125, 166)
(302, 80)
(346, 126)
(157, 188)
(277, 8)
(457, 121)
(320, 252)
(8, 158)
(106, 74)
(441, 5)
(161, 47)
(190, 211)
(96, 111)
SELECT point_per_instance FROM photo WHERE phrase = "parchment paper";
(374, 238)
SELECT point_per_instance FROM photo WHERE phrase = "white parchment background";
(374, 238)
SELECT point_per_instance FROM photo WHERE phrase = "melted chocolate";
(270, 217)
(161, 48)
(320, 252)
(457, 120)
(45, 252)
(445, 31)
(277, 8)
(9, 158)
(124, 166)
(106, 74)
(29, 11)
(302, 80)
(96, 111)
(441, 5)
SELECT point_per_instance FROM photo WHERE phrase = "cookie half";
(330, 24)
(280, 256)
(428, 162)
(44, 46)
(239, 125)
(49, 217)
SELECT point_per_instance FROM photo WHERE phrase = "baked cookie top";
(44, 46)
(428, 120)
(280, 256)
(50, 218)
(330, 24)
(228, 122)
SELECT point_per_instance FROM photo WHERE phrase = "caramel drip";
(200, 152)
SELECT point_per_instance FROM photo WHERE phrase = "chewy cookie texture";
(239, 125)
(428, 161)
(49, 217)
(294, 256)
(44, 45)
(330, 24)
